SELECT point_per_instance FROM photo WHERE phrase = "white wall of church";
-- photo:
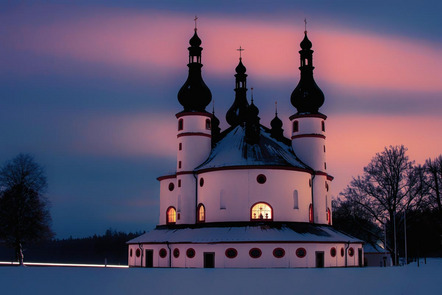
(228, 195)
(343, 255)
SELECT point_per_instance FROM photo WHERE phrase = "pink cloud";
(156, 41)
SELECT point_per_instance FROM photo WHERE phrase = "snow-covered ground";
(426, 279)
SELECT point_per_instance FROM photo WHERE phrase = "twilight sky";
(90, 88)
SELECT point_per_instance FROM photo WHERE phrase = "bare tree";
(386, 187)
(433, 170)
(24, 214)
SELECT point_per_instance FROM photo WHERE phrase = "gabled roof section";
(233, 150)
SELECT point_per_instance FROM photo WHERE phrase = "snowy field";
(426, 279)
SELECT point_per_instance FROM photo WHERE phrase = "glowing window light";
(171, 215)
(261, 211)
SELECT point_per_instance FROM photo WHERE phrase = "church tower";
(194, 133)
(308, 133)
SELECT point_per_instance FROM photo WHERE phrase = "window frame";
(167, 215)
(263, 219)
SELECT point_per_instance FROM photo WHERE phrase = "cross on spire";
(240, 49)
(276, 108)
(195, 19)
(305, 25)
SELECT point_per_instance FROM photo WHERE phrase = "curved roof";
(233, 150)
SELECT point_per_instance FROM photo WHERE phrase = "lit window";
(310, 213)
(295, 199)
(201, 213)
(261, 211)
(295, 126)
(171, 215)
(180, 124)
(208, 125)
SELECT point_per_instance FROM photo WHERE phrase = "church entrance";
(209, 259)
(319, 258)
(149, 258)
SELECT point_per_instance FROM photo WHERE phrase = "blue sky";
(90, 88)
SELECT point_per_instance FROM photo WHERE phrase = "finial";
(276, 108)
(240, 49)
(213, 107)
(305, 25)
(251, 89)
(195, 19)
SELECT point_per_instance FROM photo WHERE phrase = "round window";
(231, 253)
(201, 181)
(261, 178)
(333, 252)
(255, 253)
(190, 252)
(130, 252)
(163, 253)
(351, 252)
(176, 252)
(342, 252)
(301, 252)
(138, 252)
(171, 186)
(279, 252)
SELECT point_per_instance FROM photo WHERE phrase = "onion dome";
(276, 132)
(253, 128)
(237, 112)
(194, 95)
(252, 111)
(307, 96)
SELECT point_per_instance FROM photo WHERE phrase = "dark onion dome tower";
(307, 96)
(277, 132)
(236, 115)
(194, 95)
(194, 132)
(308, 133)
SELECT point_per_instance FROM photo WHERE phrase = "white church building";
(247, 196)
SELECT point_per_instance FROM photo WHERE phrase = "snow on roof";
(295, 232)
(370, 248)
(232, 150)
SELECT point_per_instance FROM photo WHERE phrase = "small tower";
(194, 133)
(308, 132)
(236, 115)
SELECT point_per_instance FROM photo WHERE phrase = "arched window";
(171, 215)
(310, 213)
(295, 199)
(295, 126)
(201, 211)
(180, 124)
(208, 124)
(261, 211)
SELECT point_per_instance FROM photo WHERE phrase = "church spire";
(194, 95)
(307, 96)
(237, 112)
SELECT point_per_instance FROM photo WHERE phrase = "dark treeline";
(111, 247)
